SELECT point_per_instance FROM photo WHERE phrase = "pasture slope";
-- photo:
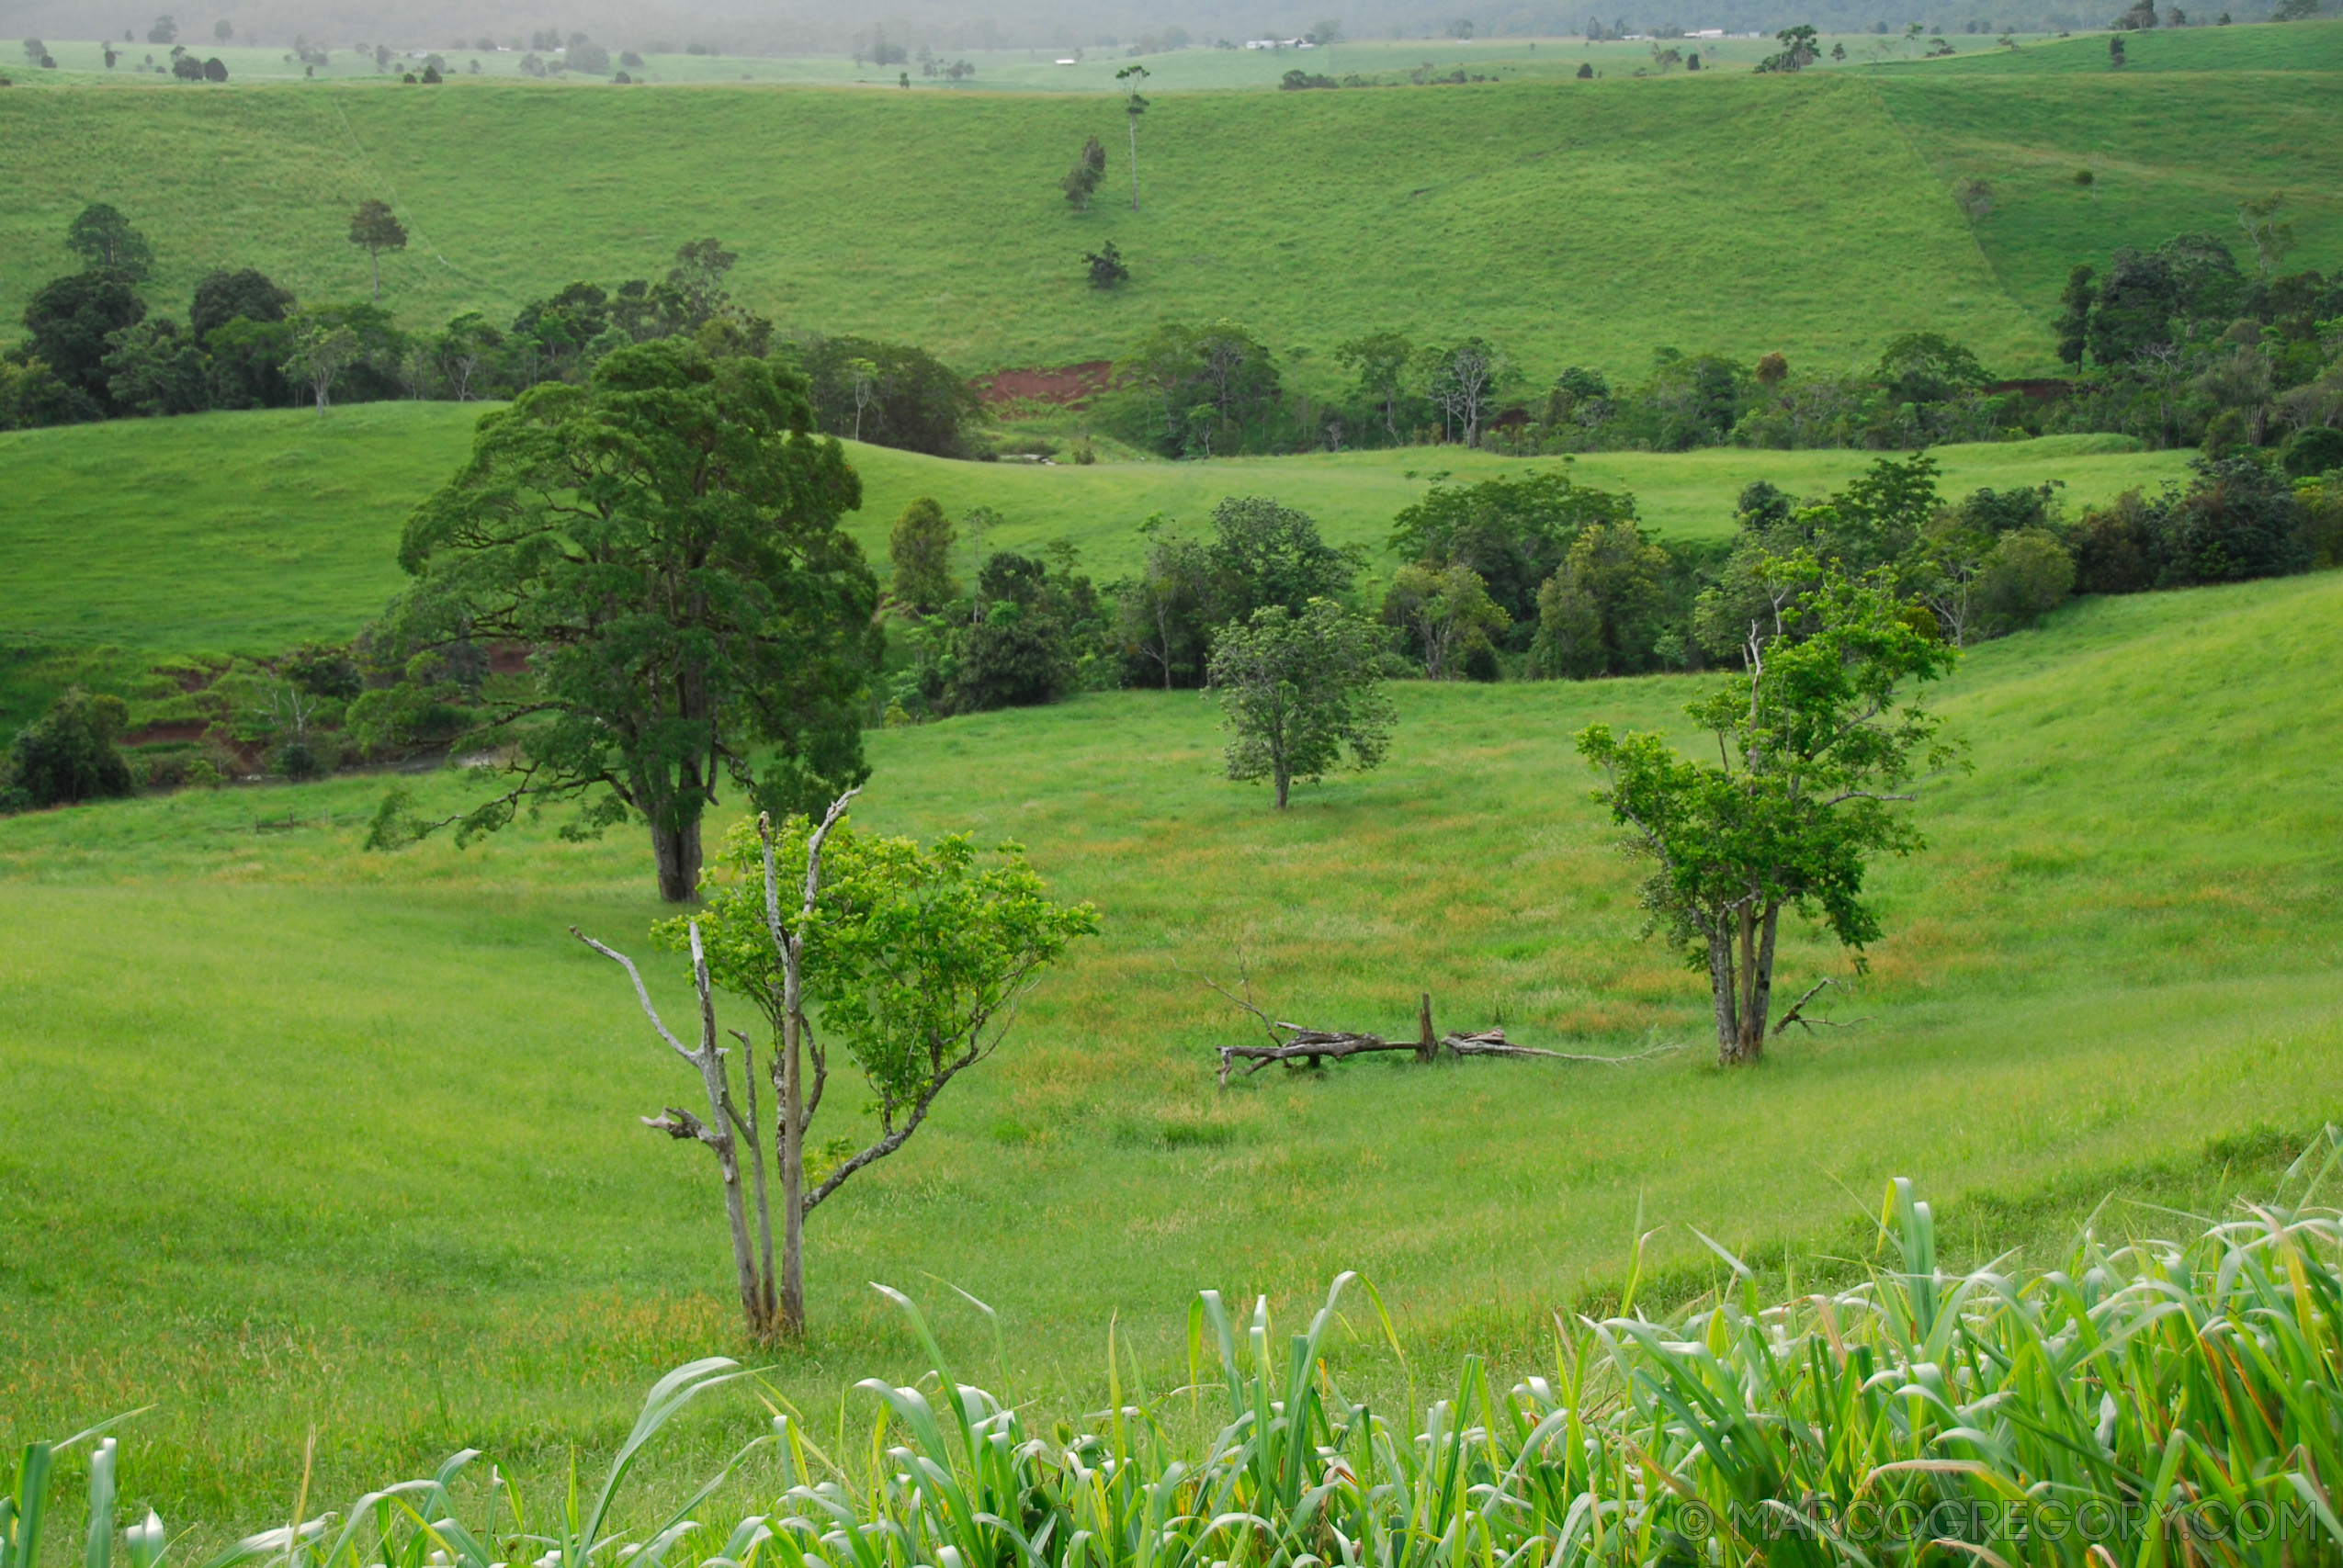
(246, 533)
(295, 1135)
(1570, 223)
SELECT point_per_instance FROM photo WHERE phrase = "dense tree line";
(92, 349)
(2176, 345)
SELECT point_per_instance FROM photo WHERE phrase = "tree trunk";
(1285, 778)
(1135, 162)
(1723, 992)
(376, 257)
(1740, 978)
(1760, 1008)
(676, 851)
(727, 1152)
(792, 1095)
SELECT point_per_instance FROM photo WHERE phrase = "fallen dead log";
(1292, 1042)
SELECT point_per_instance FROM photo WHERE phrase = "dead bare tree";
(796, 1106)
(718, 1131)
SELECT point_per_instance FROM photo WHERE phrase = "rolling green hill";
(2314, 46)
(1570, 222)
(2168, 153)
(295, 1135)
(248, 532)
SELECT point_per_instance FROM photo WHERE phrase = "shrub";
(2312, 452)
(2028, 574)
(2238, 520)
(2114, 547)
(325, 670)
(1013, 658)
(68, 756)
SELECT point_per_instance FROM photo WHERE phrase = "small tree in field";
(1106, 266)
(913, 959)
(1298, 690)
(376, 228)
(1814, 743)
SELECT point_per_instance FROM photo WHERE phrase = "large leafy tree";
(664, 543)
(68, 326)
(156, 368)
(1814, 739)
(1298, 690)
(920, 549)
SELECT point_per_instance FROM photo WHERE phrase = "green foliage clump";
(69, 755)
(889, 394)
(920, 549)
(1261, 553)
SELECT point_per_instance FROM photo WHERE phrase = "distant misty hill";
(792, 27)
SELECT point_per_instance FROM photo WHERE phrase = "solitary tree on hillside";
(1815, 742)
(664, 542)
(376, 228)
(1133, 107)
(165, 30)
(914, 961)
(1298, 690)
(1107, 268)
(103, 236)
(223, 29)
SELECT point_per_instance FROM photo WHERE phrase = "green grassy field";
(249, 532)
(295, 1135)
(1808, 215)
(296, 1139)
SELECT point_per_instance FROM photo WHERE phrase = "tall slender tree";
(1133, 107)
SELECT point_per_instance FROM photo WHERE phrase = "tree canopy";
(1814, 739)
(1299, 691)
(103, 236)
(664, 542)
